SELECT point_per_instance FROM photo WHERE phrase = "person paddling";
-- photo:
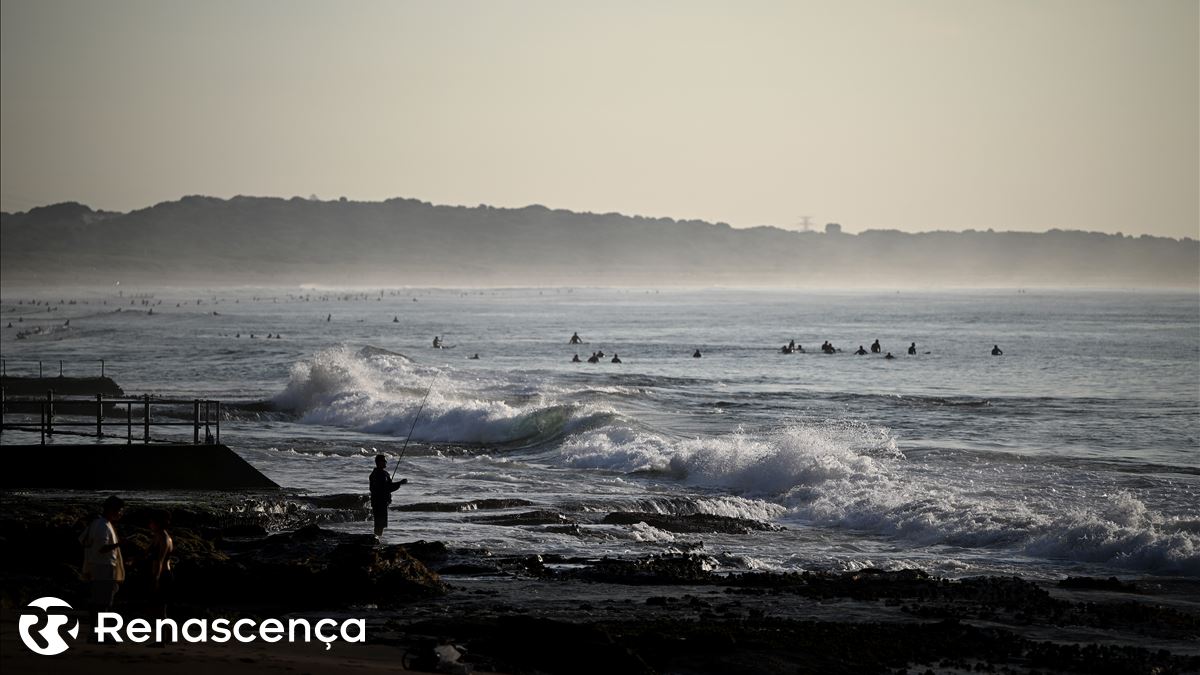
(382, 487)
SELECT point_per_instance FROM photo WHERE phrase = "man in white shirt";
(103, 566)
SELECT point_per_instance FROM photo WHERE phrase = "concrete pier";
(158, 466)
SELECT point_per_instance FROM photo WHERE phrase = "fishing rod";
(414, 424)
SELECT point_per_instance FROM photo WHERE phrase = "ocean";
(1077, 451)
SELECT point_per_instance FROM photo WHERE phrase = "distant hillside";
(253, 240)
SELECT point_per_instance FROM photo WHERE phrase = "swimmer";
(861, 351)
(889, 356)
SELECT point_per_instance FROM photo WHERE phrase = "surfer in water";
(575, 339)
(889, 356)
(996, 351)
(474, 358)
(437, 342)
(861, 351)
(912, 349)
(576, 359)
(615, 358)
(875, 348)
(593, 358)
(697, 354)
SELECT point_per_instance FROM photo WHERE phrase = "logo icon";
(41, 626)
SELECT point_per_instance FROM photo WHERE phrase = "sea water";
(1075, 452)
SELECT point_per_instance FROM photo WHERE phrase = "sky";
(917, 115)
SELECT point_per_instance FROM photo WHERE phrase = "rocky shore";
(442, 609)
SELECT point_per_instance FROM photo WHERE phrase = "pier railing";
(44, 366)
(97, 416)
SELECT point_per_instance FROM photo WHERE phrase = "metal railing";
(42, 364)
(205, 415)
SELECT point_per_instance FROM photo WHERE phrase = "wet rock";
(1094, 584)
(661, 569)
(473, 505)
(697, 522)
(528, 518)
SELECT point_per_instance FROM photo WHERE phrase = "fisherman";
(576, 359)
(912, 349)
(697, 354)
(861, 351)
(382, 487)
(875, 348)
(615, 358)
(575, 339)
(996, 351)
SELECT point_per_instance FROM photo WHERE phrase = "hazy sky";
(914, 115)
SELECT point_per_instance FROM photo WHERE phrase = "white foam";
(851, 477)
(382, 394)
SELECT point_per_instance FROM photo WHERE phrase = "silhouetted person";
(860, 351)
(382, 487)
(875, 348)
(328, 318)
(575, 339)
(889, 356)
(791, 345)
(616, 359)
(996, 351)
(912, 349)
(593, 358)
(159, 576)
(576, 359)
(600, 354)
(697, 354)
(437, 342)
(103, 566)
(474, 358)
(395, 319)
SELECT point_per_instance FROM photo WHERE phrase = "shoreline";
(548, 613)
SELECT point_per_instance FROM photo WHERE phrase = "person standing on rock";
(103, 566)
(382, 487)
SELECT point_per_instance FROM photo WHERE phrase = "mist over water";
(1078, 450)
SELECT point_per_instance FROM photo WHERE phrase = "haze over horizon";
(917, 116)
